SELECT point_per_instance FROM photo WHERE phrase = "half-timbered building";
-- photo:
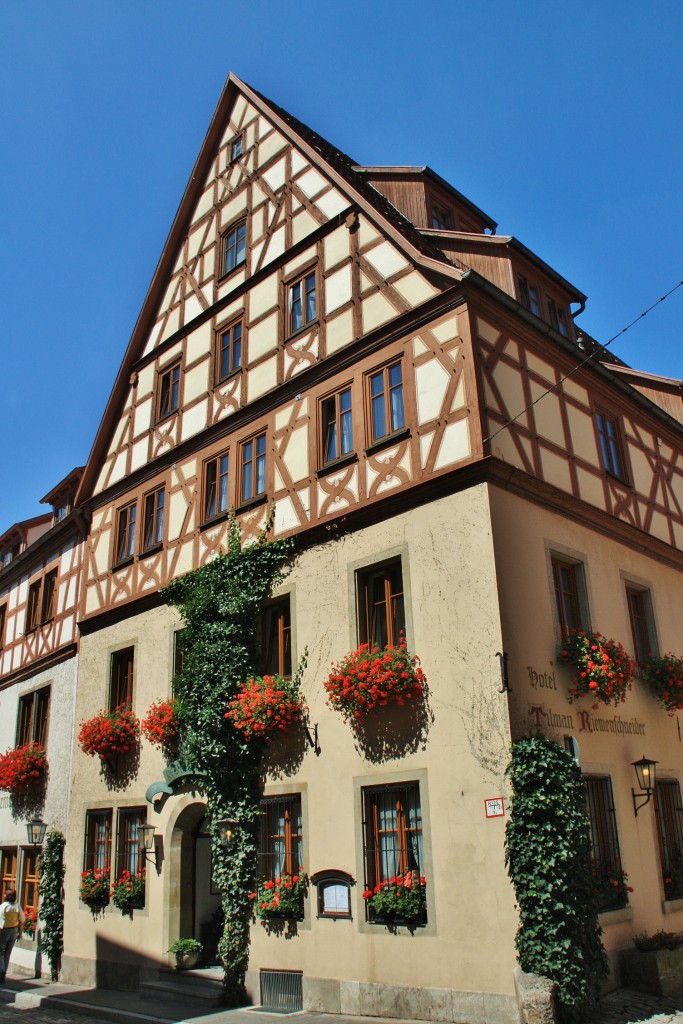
(39, 601)
(358, 348)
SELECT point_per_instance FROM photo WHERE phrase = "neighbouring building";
(357, 347)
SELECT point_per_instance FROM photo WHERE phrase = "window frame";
(259, 458)
(164, 411)
(121, 677)
(337, 422)
(3, 624)
(669, 820)
(641, 620)
(409, 856)
(129, 856)
(610, 445)
(212, 468)
(385, 394)
(276, 637)
(576, 595)
(237, 144)
(29, 880)
(124, 538)
(290, 860)
(33, 717)
(300, 281)
(96, 842)
(605, 847)
(48, 599)
(529, 295)
(157, 509)
(227, 246)
(228, 328)
(394, 615)
(442, 216)
(8, 877)
(33, 606)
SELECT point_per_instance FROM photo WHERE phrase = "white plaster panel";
(233, 208)
(284, 415)
(295, 455)
(236, 279)
(332, 203)
(119, 469)
(143, 417)
(366, 232)
(285, 515)
(446, 331)
(425, 444)
(414, 288)
(269, 147)
(376, 310)
(509, 384)
(256, 251)
(238, 116)
(262, 338)
(338, 288)
(311, 183)
(196, 382)
(455, 444)
(275, 175)
(336, 247)
(172, 324)
(298, 161)
(294, 362)
(555, 470)
(487, 331)
(153, 339)
(386, 260)
(257, 222)
(276, 245)
(582, 433)
(570, 387)
(293, 265)
(194, 241)
(199, 342)
(393, 480)
(194, 419)
(263, 297)
(138, 454)
(302, 225)
(547, 414)
(193, 308)
(339, 332)
(431, 381)
(205, 200)
(419, 347)
(209, 261)
(146, 380)
(541, 367)
(262, 378)
(459, 398)
(590, 488)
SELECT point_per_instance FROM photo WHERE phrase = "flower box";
(401, 899)
(659, 971)
(30, 923)
(280, 898)
(373, 677)
(602, 669)
(109, 734)
(23, 768)
(663, 677)
(266, 706)
(94, 888)
(128, 891)
(160, 726)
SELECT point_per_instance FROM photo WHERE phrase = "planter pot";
(186, 961)
(659, 971)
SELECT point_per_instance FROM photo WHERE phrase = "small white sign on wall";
(495, 807)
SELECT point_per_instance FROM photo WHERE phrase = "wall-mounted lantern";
(36, 830)
(226, 828)
(645, 774)
(148, 845)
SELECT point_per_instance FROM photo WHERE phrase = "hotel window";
(128, 857)
(3, 621)
(336, 426)
(60, 512)
(569, 595)
(557, 318)
(302, 302)
(392, 835)
(229, 351)
(440, 219)
(610, 445)
(168, 391)
(125, 533)
(235, 246)
(277, 638)
(387, 414)
(33, 717)
(97, 841)
(153, 519)
(608, 878)
(216, 486)
(253, 468)
(669, 814)
(32, 606)
(121, 691)
(281, 839)
(47, 607)
(8, 868)
(381, 613)
(640, 614)
(236, 149)
(528, 295)
(30, 878)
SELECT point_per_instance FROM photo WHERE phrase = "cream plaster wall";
(609, 738)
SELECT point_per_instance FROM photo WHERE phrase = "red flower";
(160, 726)
(109, 733)
(264, 705)
(22, 768)
(370, 678)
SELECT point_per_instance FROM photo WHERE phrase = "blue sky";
(561, 121)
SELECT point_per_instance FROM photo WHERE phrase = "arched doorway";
(194, 904)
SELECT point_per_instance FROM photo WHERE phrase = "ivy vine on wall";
(548, 857)
(51, 900)
(220, 604)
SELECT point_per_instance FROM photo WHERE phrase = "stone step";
(205, 987)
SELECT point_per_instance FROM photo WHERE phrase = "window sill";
(233, 270)
(306, 327)
(151, 551)
(166, 418)
(214, 521)
(124, 564)
(228, 376)
(672, 906)
(608, 917)
(331, 467)
(386, 442)
(247, 506)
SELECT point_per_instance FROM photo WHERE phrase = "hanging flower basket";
(30, 923)
(94, 890)
(160, 726)
(281, 898)
(23, 769)
(602, 669)
(265, 706)
(663, 677)
(401, 898)
(110, 733)
(372, 677)
(128, 891)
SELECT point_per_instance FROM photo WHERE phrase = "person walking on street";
(11, 925)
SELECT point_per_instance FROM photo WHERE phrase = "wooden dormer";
(20, 536)
(62, 496)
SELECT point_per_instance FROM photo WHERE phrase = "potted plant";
(265, 706)
(23, 768)
(373, 677)
(187, 953)
(602, 669)
(663, 676)
(160, 726)
(401, 899)
(610, 886)
(109, 734)
(282, 897)
(655, 965)
(128, 891)
(94, 888)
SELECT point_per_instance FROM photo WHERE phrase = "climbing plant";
(51, 901)
(220, 605)
(548, 858)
